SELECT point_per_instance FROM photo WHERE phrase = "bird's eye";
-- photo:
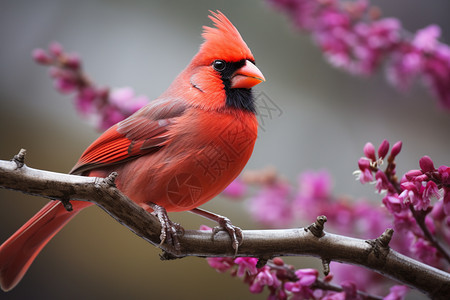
(219, 65)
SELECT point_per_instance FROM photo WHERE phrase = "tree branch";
(312, 241)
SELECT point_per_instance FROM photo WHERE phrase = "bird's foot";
(224, 225)
(170, 231)
(234, 232)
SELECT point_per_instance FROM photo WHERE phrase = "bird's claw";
(234, 232)
(170, 231)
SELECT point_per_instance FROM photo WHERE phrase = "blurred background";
(326, 116)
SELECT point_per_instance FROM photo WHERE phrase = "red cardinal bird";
(176, 153)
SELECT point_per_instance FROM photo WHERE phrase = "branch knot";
(317, 227)
(67, 204)
(380, 245)
(326, 266)
(19, 158)
(110, 180)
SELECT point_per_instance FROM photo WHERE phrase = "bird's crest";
(223, 41)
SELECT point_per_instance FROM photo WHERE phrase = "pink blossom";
(397, 292)
(340, 215)
(426, 164)
(352, 39)
(412, 194)
(412, 174)
(426, 38)
(383, 33)
(429, 223)
(73, 61)
(246, 265)
(437, 213)
(365, 175)
(404, 223)
(64, 85)
(110, 116)
(429, 192)
(307, 276)
(84, 101)
(418, 188)
(106, 108)
(441, 220)
(315, 184)
(383, 149)
(126, 100)
(369, 151)
(40, 56)
(444, 173)
(301, 289)
(235, 190)
(350, 290)
(396, 149)
(369, 221)
(56, 49)
(264, 278)
(382, 182)
(393, 204)
(314, 196)
(360, 277)
(221, 264)
(271, 206)
(404, 68)
(425, 252)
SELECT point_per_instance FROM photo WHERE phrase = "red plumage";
(178, 152)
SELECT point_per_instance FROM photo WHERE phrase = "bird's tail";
(18, 252)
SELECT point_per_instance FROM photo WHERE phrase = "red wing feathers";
(143, 133)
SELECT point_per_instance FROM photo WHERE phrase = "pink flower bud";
(420, 178)
(363, 163)
(383, 149)
(40, 56)
(64, 86)
(426, 164)
(393, 204)
(328, 278)
(444, 173)
(56, 49)
(73, 61)
(307, 276)
(278, 261)
(369, 151)
(396, 149)
(411, 175)
(407, 185)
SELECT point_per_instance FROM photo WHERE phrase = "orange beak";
(247, 76)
